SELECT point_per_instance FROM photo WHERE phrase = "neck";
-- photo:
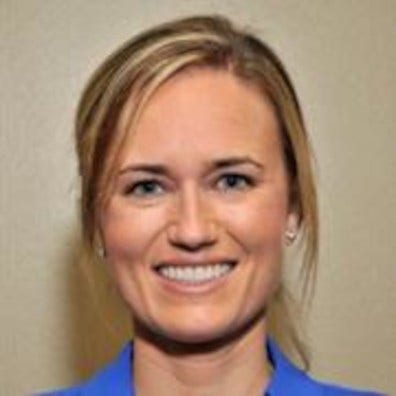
(238, 367)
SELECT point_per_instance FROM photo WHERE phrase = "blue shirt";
(116, 379)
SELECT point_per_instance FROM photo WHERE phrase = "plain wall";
(342, 58)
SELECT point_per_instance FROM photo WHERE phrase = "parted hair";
(136, 70)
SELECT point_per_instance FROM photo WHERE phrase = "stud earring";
(101, 251)
(290, 236)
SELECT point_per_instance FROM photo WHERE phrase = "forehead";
(204, 111)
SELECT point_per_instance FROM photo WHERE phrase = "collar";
(286, 378)
(117, 379)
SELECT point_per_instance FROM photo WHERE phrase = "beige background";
(342, 57)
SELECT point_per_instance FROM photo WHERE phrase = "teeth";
(195, 274)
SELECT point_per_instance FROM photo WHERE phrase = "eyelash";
(239, 182)
(239, 178)
(136, 188)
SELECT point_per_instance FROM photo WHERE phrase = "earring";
(101, 251)
(290, 236)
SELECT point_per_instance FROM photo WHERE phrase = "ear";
(292, 226)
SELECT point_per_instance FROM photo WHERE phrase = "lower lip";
(190, 288)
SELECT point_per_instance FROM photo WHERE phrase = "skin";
(218, 192)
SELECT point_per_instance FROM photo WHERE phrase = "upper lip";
(194, 261)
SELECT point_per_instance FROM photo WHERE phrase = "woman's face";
(194, 229)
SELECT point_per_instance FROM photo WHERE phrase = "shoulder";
(290, 380)
(113, 379)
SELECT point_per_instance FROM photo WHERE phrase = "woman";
(196, 173)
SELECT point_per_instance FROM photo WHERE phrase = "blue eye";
(233, 181)
(145, 188)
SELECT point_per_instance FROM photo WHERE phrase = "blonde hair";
(138, 69)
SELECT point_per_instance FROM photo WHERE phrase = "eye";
(234, 181)
(145, 189)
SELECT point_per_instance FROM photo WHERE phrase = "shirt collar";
(285, 377)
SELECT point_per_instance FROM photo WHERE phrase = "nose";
(193, 227)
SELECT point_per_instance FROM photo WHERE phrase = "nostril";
(192, 246)
(192, 238)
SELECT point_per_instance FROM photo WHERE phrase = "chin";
(196, 335)
(204, 334)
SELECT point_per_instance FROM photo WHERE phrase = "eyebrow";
(232, 161)
(160, 169)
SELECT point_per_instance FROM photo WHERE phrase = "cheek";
(260, 224)
(128, 232)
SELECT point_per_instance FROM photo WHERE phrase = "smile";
(195, 274)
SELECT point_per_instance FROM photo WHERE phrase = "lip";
(193, 261)
(201, 288)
